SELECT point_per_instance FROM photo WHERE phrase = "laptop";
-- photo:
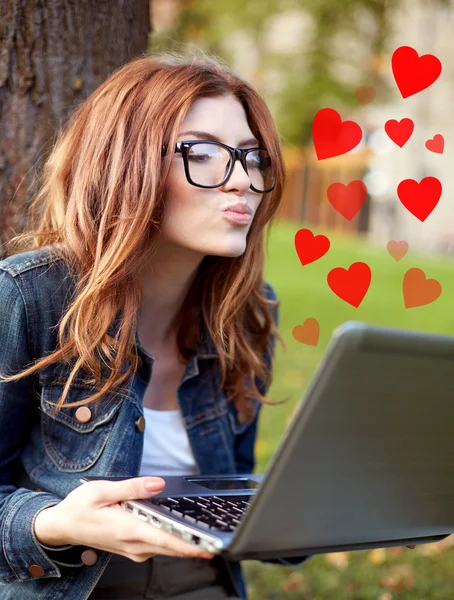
(367, 461)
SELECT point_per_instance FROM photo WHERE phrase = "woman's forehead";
(222, 116)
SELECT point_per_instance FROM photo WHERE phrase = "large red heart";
(414, 73)
(399, 131)
(350, 285)
(309, 247)
(333, 137)
(420, 198)
(347, 199)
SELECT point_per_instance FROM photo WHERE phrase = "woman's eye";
(198, 157)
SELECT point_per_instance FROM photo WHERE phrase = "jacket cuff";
(65, 556)
(23, 552)
(55, 548)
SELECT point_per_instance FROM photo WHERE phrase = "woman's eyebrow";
(215, 138)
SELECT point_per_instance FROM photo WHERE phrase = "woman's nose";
(238, 179)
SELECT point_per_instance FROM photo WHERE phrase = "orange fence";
(304, 197)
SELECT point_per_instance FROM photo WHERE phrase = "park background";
(303, 55)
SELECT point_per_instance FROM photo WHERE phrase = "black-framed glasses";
(209, 164)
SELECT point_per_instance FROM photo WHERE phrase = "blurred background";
(302, 55)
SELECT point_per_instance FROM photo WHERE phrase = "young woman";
(137, 331)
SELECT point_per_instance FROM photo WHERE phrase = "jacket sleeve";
(244, 443)
(19, 547)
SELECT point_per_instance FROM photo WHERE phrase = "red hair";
(102, 203)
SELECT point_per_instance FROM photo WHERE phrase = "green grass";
(423, 573)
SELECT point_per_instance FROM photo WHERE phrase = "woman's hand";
(91, 515)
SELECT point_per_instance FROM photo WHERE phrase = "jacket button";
(89, 557)
(83, 414)
(36, 571)
(140, 424)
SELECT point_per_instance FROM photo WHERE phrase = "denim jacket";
(43, 456)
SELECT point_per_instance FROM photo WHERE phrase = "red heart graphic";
(350, 285)
(436, 144)
(414, 73)
(397, 249)
(365, 94)
(420, 198)
(399, 131)
(418, 290)
(309, 247)
(347, 199)
(333, 137)
(308, 332)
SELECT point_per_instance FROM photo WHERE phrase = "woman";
(148, 260)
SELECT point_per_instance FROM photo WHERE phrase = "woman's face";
(195, 217)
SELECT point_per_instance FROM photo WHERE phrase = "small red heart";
(347, 199)
(420, 198)
(350, 285)
(414, 73)
(397, 249)
(365, 95)
(308, 332)
(436, 144)
(333, 137)
(399, 131)
(309, 247)
(418, 290)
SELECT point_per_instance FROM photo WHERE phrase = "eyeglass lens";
(208, 164)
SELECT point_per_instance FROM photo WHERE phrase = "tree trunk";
(53, 55)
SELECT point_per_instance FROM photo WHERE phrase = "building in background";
(429, 30)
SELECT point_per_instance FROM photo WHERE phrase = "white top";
(166, 448)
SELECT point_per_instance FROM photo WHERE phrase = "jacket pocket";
(71, 443)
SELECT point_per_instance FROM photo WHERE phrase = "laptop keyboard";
(216, 512)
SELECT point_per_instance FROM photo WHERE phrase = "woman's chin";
(231, 252)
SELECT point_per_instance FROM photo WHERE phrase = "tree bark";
(53, 55)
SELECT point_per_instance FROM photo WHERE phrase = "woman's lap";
(163, 577)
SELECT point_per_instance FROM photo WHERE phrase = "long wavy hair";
(101, 205)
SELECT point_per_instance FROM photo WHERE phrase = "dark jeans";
(163, 577)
